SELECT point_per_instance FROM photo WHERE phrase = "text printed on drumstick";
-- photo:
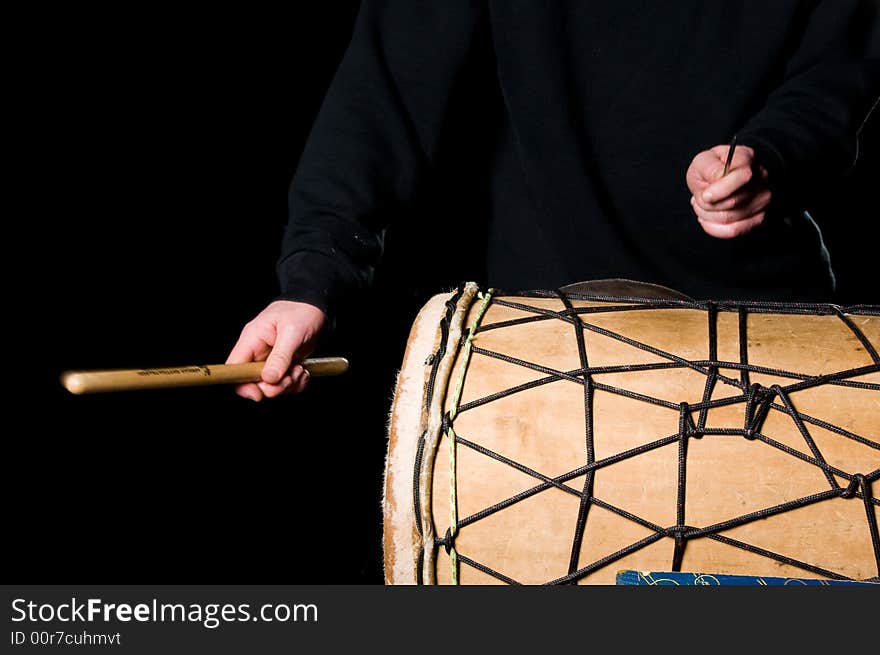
(204, 370)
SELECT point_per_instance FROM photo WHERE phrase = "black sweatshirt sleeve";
(372, 143)
(807, 132)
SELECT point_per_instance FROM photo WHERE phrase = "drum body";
(559, 438)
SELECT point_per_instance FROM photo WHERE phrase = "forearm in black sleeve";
(808, 130)
(372, 144)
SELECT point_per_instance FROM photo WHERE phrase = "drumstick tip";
(73, 382)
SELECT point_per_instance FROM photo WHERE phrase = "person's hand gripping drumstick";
(730, 192)
(283, 335)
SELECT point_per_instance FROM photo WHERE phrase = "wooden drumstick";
(79, 382)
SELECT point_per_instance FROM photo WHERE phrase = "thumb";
(287, 341)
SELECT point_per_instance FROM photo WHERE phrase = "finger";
(708, 162)
(287, 341)
(250, 347)
(296, 374)
(250, 391)
(300, 386)
(299, 380)
(726, 216)
(742, 156)
(695, 184)
(275, 390)
(720, 217)
(727, 185)
(732, 230)
(746, 197)
(701, 172)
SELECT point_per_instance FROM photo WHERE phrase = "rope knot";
(687, 427)
(858, 480)
(445, 422)
(448, 541)
(758, 402)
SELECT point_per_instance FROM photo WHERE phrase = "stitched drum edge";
(400, 538)
(407, 421)
(433, 424)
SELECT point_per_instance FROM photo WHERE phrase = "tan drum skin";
(540, 433)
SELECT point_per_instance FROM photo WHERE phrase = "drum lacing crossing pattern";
(756, 399)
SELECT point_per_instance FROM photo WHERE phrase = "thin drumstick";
(80, 382)
(730, 151)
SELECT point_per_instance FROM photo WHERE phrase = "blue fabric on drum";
(669, 578)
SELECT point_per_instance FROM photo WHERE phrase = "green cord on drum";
(453, 410)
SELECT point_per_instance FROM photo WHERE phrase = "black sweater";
(605, 103)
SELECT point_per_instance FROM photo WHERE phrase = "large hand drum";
(561, 437)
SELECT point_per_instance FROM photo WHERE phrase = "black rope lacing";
(587, 494)
(434, 362)
(758, 400)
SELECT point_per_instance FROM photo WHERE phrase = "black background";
(160, 143)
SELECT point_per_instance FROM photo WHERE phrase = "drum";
(559, 437)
